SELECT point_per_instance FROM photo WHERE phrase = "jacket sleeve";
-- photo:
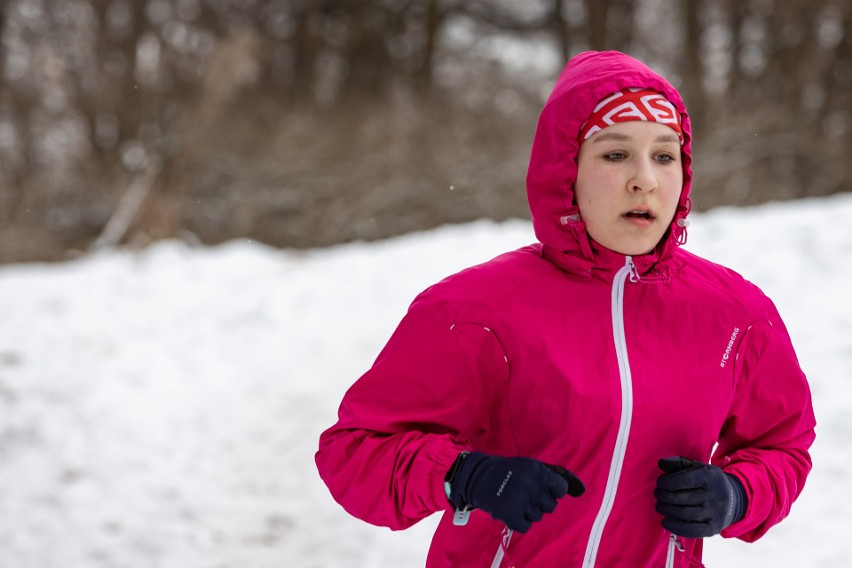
(402, 424)
(770, 427)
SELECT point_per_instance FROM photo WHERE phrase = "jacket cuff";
(442, 459)
(740, 501)
(741, 524)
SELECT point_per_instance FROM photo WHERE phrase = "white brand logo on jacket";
(728, 349)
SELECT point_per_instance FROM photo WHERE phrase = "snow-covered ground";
(161, 408)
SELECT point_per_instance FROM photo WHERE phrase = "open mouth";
(639, 214)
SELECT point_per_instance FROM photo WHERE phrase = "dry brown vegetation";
(305, 123)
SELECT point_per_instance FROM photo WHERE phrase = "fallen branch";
(128, 207)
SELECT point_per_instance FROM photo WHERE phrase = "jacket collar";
(603, 263)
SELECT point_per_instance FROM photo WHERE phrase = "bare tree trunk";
(560, 26)
(370, 68)
(692, 66)
(434, 18)
(306, 46)
(22, 108)
(736, 13)
(619, 25)
(598, 12)
(4, 7)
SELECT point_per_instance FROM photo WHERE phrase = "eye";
(615, 156)
(665, 158)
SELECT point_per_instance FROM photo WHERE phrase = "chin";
(634, 250)
(630, 246)
(639, 247)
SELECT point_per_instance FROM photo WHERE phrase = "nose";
(643, 178)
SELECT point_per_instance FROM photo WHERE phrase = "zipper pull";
(461, 516)
(634, 272)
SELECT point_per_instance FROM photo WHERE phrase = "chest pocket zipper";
(676, 546)
(673, 543)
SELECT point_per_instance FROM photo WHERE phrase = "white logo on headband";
(660, 108)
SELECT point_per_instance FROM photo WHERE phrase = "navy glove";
(517, 491)
(697, 499)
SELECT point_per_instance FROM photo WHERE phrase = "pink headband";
(632, 104)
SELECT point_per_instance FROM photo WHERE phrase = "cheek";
(673, 189)
(585, 199)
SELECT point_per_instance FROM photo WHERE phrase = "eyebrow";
(624, 137)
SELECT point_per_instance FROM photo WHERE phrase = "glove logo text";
(503, 485)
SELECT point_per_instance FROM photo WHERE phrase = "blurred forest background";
(304, 123)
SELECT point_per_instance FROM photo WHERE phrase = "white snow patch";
(161, 408)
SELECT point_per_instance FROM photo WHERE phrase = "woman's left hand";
(697, 499)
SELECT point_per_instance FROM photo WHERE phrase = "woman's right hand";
(516, 491)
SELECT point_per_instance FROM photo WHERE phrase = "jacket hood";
(585, 80)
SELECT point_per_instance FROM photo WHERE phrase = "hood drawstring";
(681, 234)
(683, 222)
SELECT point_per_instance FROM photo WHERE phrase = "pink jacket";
(578, 356)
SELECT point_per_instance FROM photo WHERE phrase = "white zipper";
(629, 269)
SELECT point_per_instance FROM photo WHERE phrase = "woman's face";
(629, 181)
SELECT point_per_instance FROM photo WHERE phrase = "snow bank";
(161, 408)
